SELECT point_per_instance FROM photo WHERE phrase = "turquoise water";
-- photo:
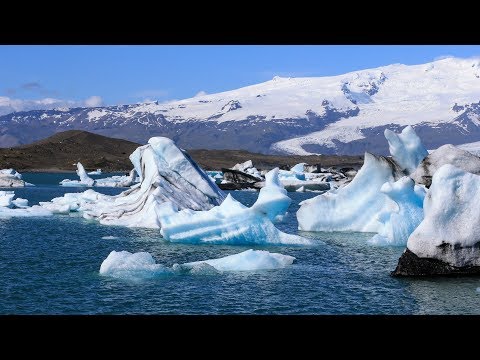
(50, 266)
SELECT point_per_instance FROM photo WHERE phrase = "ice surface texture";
(232, 222)
(406, 148)
(450, 230)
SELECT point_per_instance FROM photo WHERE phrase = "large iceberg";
(379, 199)
(398, 224)
(447, 241)
(233, 222)
(354, 207)
(406, 148)
(142, 265)
(170, 180)
(451, 228)
(446, 154)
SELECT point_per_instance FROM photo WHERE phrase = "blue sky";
(94, 75)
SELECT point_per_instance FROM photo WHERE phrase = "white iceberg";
(112, 181)
(406, 148)
(249, 260)
(450, 231)
(354, 207)
(11, 178)
(374, 201)
(96, 172)
(142, 265)
(10, 207)
(123, 264)
(399, 223)
(247, 167)
(170, 180)
(446, 154)
(233, 222)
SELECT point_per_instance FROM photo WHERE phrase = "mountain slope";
(343, 114)
(62, 151)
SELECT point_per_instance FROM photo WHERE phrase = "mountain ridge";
(341, 114)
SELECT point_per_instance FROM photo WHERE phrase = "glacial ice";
(112, 181)
(96, 172)
(354, 207)
(450, 230)
(125, 265)
(10, 207)
(406, 148)
(379, 199)
(170, 180)
(249, 260)
(399, 223)
(142, 265)
(11, 178)
(232, 222)
(446, 154)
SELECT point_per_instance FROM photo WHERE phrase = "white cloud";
(201, 93)
(93, 101)
(9, 105)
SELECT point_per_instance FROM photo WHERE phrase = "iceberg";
(406, 148)
(96, 172)
(446, 154)
(399, 223)
(357, 205)
(113, 181)
(447, 241)
(379, 199)
(249, 260)
(233, 222)
(11, 178)
(10, 207)
(170, 181)
(125, 265)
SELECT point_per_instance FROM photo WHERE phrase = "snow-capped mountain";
(343, 114)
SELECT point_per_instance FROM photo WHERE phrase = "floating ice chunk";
(11, 178)
(125, 265)
(109, 237)
(299, 168)
(446, 154)
(6, 198)
(406, 148)
(20, 203)
(243, 166)
(96, 172)
(84, 178)
(450, 231)
(354, 207)
(272, 199)
(142, 265)
(118, 181)
(232, 222)
(399, 223)
(249, 260)
(171, 180)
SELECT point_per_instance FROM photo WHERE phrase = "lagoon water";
(50, 266)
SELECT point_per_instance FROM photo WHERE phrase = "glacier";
(142, 265)
(233, 222)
